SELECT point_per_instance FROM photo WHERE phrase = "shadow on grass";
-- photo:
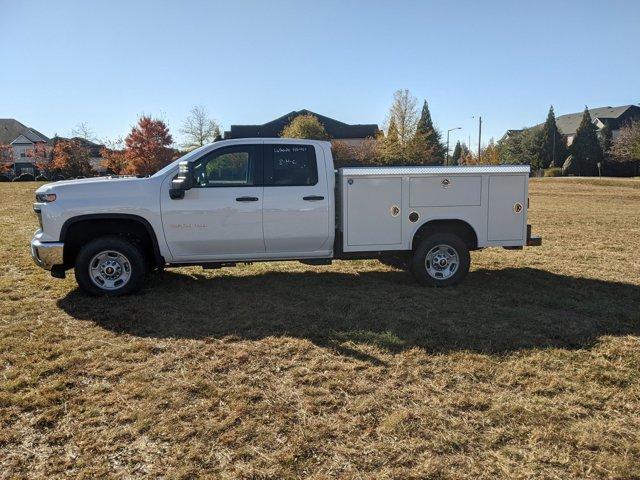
(491, 312)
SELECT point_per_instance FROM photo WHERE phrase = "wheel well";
(78, 232)
(457, 227)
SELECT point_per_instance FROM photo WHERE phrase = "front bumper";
(47, 254)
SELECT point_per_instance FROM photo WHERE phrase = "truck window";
(228, 167)
(291, 165)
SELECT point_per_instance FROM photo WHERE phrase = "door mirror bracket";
(183, 181)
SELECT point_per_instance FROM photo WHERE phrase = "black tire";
(134, 265)
(419, 265)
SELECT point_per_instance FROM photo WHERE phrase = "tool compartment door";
(507, 207)
(374, 211)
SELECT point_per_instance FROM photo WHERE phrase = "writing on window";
(294, 165)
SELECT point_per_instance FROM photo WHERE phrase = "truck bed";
(381, 208)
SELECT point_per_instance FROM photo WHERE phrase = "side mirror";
(183, 181)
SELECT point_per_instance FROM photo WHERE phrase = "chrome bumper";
(47, 254)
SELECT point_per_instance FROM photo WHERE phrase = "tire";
(448, 260)
(110, 266)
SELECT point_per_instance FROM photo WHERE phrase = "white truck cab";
(266, 199)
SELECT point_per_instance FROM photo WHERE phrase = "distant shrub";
(24, 177)
(4, 178)
(41, 178)
(553, 172)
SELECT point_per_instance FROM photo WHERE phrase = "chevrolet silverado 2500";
(250, 200)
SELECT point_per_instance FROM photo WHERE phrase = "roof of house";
(334, 128)
(10, 129)
(94, 148)
(568, 124)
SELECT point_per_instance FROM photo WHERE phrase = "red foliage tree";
(71, 159)
(114, 161)
(6, 159)
(148, 147)
(41, 155)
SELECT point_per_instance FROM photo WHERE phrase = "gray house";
(351, 134)
(614, 117)
(23, 140)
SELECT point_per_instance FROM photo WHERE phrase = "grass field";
(529, 369)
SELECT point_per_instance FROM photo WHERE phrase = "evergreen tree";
(392, 131)
(586, 148)
(552, 148)
(606, 141)
(457, 153)
(427, 133)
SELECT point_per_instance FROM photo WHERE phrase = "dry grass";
(530, 369)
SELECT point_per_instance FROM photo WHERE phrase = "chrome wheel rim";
(110, 270)
(442, 262)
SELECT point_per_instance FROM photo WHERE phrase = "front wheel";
(441, 260)
(110, 266)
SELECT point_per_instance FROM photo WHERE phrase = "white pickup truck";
(265, 199)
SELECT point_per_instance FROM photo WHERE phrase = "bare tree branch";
(198, 129)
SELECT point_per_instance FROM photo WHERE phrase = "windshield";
(188, 156)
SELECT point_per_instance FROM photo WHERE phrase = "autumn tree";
(6, 159)
(626, 146)
(70, 159)
(147, 147)
(365, 153)
(586, 148)
(114, 161)
(491, 153)
(41, 155)
(199, 129)
(305, 126)
(404, 115)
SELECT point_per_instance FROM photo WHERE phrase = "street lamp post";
(450, 130)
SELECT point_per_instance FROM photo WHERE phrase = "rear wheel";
(110, 266)
(441, 260)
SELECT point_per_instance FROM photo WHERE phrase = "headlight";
(45, 197)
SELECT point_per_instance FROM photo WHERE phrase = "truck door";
(222, 215)
(296, 200)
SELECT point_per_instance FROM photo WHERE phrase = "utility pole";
(479, 136)
(446, 162)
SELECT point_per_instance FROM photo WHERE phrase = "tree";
(404, 115)
(585, 148)
(365, 153)
(115, 161)
(491, 153)
(606, 140)
(552, 146)
(147, 146)
(427, 133)
(522, 148)
(457, 153)
(305, 126)
(6, 159)
(199, 129)
(626, 146)
(41, 155)
(70, 159)
(83, 130)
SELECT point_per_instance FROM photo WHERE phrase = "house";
(24, 141)
(614, 117)
(352, 134)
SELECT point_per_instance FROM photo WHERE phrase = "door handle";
(247, 199)
(313, 198)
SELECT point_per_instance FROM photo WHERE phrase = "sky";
(105, 63)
